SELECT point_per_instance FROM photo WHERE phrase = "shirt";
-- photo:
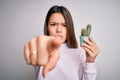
(71, 66)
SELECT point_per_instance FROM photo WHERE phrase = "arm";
(90, 71)
(88, 68)
(87, 71)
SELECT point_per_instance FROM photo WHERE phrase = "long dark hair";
(71, 39)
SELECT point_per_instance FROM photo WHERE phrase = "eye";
(53, 24)
(64, 24)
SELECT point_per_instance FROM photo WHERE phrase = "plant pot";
(82, 38)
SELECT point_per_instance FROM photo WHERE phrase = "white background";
(21, 20)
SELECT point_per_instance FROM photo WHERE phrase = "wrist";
(90, 60)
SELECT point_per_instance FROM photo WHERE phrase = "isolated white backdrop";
(21, 20)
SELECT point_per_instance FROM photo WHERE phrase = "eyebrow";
(58, 22)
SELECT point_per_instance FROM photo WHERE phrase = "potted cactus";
(85, 34)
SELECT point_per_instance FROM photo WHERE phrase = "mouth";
(58, 37)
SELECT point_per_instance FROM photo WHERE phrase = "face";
(57, 27)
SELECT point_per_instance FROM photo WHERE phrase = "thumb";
(53, 59)
(54, 43)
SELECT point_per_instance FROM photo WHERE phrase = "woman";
(57, 53)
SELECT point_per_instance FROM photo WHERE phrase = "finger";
(89, 47)
(95, 47)
(54, 42)
(88, 51)
(87, 41)
(33, 52)
(27, 53)
(42, 53)
(51, 63)
(91, 40)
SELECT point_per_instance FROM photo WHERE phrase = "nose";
(59, 29)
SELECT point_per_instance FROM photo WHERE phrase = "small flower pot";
(82, 38)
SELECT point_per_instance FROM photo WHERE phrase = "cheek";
(51, 31)
(65, 33)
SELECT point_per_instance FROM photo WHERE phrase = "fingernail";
(82, 44)
(85, 39)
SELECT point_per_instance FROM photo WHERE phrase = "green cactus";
(87, 31)
(83, 32)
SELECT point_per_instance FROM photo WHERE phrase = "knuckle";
(39, 38)
(25, 47)
(34, 63)
(28, 62)
(41, 63)
(52, 67)
(38, 63)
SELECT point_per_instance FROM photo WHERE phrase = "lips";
(58, 37)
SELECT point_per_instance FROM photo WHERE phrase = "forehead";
(57, 17)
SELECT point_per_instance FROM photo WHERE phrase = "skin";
(57, 27)
(44, 50)
(91, 50)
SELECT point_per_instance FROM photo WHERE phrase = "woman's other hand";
(91, 50)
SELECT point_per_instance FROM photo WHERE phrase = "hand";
(91, 49)
(42, 51)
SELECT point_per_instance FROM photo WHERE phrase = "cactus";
(87, 31)
(85, 34)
